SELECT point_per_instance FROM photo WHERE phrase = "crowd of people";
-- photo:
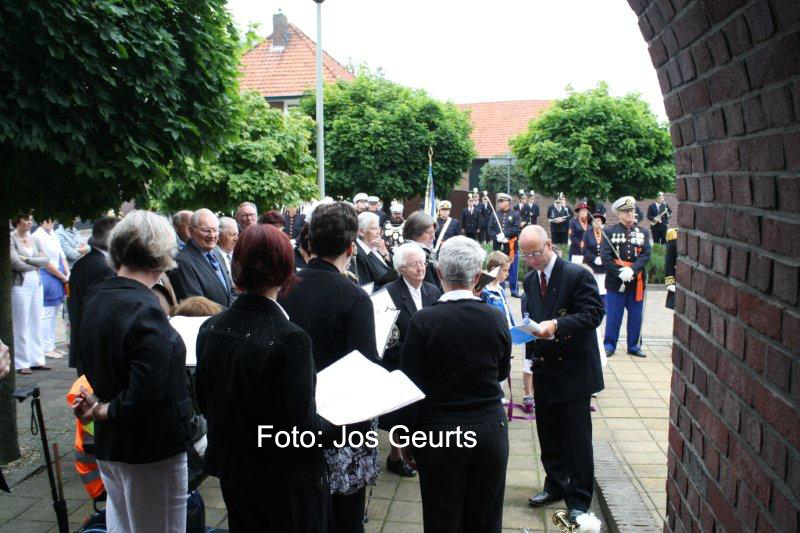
(285, 293)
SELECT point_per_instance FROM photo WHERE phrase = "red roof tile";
(494, 123)
(290, 71)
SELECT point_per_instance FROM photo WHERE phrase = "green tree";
(377, 135)
(267, 161)
(495, 178)
(592, 145)
(99, 97)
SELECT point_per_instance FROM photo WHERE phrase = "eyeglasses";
(208, 231)
(533, 255)
(417, 264)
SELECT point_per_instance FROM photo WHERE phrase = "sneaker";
(400, 467)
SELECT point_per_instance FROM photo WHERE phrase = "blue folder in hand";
(520, 336)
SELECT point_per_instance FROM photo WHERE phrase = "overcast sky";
(480, 51)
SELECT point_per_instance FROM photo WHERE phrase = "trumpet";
(563, 523)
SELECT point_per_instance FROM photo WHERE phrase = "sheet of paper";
(368, 287)
(354, 389)
(577, 259)
(385, 316)
(188, 327)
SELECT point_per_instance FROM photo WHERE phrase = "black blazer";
(336, 313)
(592, 250)
(471, 223)
(86, 272)
(195, 276)
(293, 225)
(402, 299)
(555, 212)
(136, 361)
(371, 269)
(576, 235)
(254, 367)
(456, 352)
(568, 367)
(653, 212)
(453, 229)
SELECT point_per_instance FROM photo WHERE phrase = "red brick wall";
(730, 74)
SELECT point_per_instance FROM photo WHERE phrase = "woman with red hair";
(255, 369)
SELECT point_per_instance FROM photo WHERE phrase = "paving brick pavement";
(631, 418)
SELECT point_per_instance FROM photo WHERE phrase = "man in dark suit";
(559, 215)
(201, 268)
(563, 298)
(486, 213)
(533, 209)
(293, 222)
(471, 219)
(658, 214)
(88, 270)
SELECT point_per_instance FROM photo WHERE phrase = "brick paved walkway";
(631, 415)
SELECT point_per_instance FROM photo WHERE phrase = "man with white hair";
(246, 215)
(228, 235)
(201, 268)
(372, 258)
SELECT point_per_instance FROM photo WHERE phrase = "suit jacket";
(555, 212)
(568, 367)
(196, 277)
(653, 211)
(370, 268)
(471, 222)
(336, 313)
(293, 225)
(88, 270)
(592, 250)
(532, 213)
(486, 214)
(402, 299)
(254, 367)
(453, 229)
(510, 221)
(136, 361)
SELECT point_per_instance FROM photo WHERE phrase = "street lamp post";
(320, 107)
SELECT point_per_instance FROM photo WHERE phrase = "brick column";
(730, 74)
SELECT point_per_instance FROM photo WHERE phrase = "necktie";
(542, 285)
(217, 269)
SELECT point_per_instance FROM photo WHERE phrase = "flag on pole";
(430, 195)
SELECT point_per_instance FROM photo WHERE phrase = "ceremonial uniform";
(558, 230)
(293, 224)
(393, 233)
(629, 247)
(639, 215)
(486, 215)
(453, 229)
(592, 255)
(471, 221)
(670, 260)
(532, 213)
(658, 214)
(510, 228)
(576, 231)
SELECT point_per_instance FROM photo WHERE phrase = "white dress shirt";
(416, 294)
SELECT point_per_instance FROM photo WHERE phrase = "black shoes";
(637, 353)
(609, 353)
(543, 498)
(573, 515)
(400, 467)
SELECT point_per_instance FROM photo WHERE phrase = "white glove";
(671, 288)
(598, 261)
(501, 238)
(626, 274)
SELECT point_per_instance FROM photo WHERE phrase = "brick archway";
(729, 71)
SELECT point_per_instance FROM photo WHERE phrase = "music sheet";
(188, 328)
(353, 389)
(385, 316)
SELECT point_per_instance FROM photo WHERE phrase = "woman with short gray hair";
(460, 336)
(136, 364)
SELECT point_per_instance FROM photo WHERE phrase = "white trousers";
(49, 317)
(146, 498)
(26, 310)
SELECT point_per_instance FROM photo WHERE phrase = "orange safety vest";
(85, 463)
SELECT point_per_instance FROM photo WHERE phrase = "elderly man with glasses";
(563, 298)
(202, 270)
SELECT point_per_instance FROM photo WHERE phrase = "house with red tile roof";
(284, 65)
(493, 125)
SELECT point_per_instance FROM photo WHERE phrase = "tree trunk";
(9, 441)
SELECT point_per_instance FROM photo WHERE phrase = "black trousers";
(482, 236)
(301, 507)
(462, 488)
(347, 512)
(472, 235)
(659, 233)
(565, 438)
(558, 236)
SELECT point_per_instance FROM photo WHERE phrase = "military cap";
(626, 203)
(445, 204)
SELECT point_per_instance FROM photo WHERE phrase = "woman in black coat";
(256, 377)
(457, 351)
(592, 256)
(135, 363)
(410, 293)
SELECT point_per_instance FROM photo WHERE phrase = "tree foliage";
(98, 98)
(495, 179)
(593, 145)
(377, 135)
(267, 161)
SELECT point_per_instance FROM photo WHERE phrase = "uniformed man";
(485, 207)
(293, 222)
(625, 255)
(393, 228)
(374, 206)
(522, 208)
(471, 218)
(505, 237)
(533, 208)
(658, 214)
(559, 216)
(670, 260)
(446, 227)
(639, 216)
(360, 202)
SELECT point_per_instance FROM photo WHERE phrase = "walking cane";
(37, 425)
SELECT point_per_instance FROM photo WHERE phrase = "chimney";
(280, 31)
